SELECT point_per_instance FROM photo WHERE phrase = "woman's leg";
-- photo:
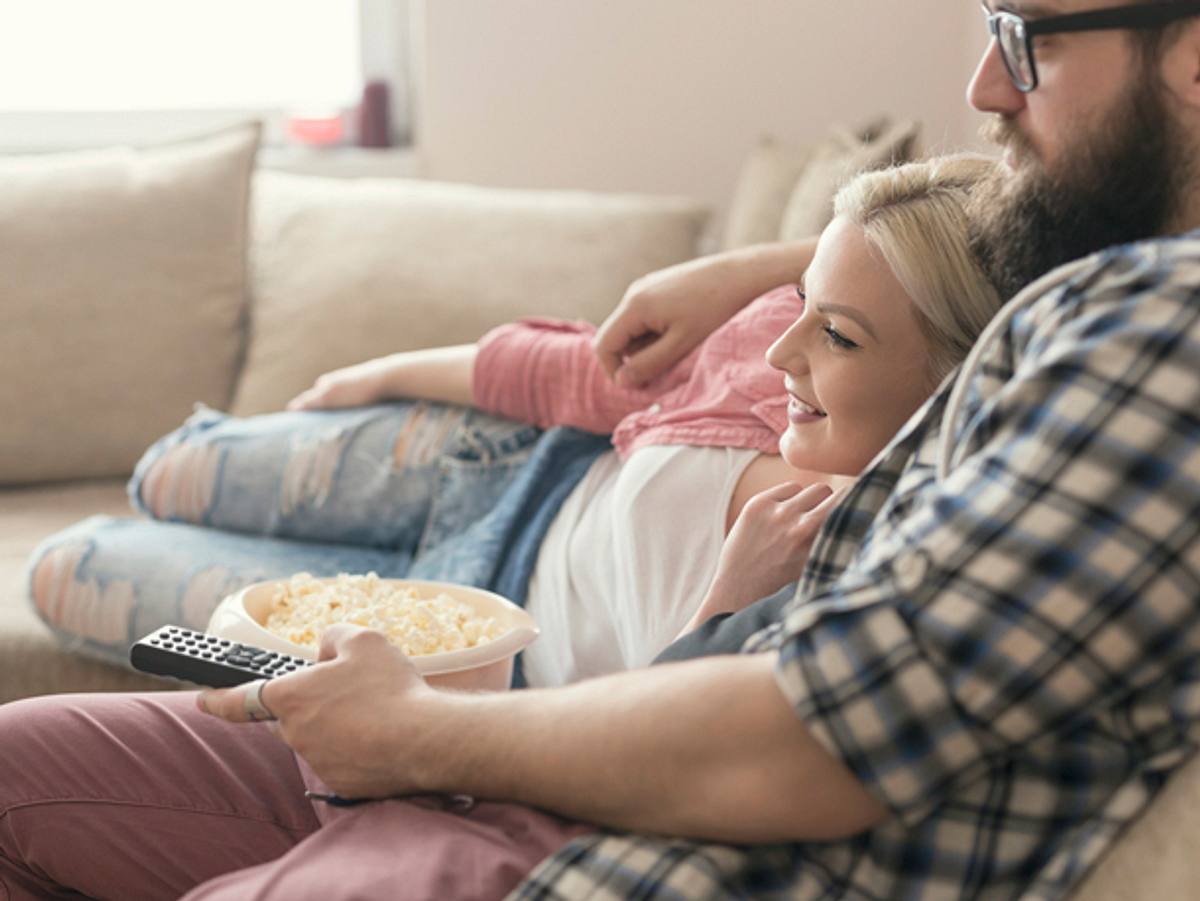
(138, 796)
(363, 476)
(104, 582)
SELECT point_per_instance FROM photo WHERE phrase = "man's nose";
(991, 90)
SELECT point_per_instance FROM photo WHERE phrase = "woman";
(225, 803)
(588, 538)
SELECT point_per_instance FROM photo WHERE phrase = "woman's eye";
(837, 339)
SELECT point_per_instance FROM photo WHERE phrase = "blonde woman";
(512, 482)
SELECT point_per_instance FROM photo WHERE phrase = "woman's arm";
(708, 748)
(439, 374)
(666, 314)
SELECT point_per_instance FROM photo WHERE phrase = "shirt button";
(910, 570)
(656, 408)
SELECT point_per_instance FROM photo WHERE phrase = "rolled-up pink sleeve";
(543, 371)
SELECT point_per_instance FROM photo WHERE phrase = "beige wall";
(667, 96)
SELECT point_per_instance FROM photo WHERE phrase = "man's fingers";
(612, 338)
(644, 361)
(230, 703)
(335, 639)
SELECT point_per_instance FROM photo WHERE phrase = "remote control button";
(237, 660)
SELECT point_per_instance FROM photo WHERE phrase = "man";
(988, 667)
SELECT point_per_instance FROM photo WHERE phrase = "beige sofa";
(134, 284)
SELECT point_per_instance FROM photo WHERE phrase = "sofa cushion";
(122, 284)
(809, 207)
(348, 270)
(786, 190)
(764, 185)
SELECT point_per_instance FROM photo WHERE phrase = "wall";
(668, 96)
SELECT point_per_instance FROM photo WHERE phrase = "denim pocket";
(473, 475)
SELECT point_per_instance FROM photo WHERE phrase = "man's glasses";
(1014, 35)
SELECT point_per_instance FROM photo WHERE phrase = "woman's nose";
(787, 353)
(991, 89)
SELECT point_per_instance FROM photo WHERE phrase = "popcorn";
(303, 607)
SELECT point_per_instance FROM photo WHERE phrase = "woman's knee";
(74, 603)
(179, 484)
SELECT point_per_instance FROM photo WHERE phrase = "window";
(82, 72)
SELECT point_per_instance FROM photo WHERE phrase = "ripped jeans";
(412, 489)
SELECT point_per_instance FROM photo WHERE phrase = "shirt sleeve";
(1050, 578)
(543, 371)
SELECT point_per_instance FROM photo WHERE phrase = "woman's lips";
(800, 411)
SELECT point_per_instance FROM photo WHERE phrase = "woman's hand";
(767, 547)
(443, 374)
(355, 717)
(350, 386)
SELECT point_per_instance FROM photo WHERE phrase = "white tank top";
(628, 559)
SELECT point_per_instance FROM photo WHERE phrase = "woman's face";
(856, 365)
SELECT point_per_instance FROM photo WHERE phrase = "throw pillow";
(122, 278)
(761, 194)
(348, 270)
(810, 206)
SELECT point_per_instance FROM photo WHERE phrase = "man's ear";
(1180, 65)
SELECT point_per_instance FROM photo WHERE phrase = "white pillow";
(122, 283)
(343, 271)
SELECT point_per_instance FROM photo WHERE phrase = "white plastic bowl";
(488, 666)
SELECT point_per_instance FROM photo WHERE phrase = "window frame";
(384, 40)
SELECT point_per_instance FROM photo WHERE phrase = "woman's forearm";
(708, 749)
(442, 374)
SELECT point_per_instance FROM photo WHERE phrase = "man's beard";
(1121, 183)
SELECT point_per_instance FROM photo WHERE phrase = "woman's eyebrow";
(849, 313)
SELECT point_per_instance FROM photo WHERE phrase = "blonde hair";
(915, 215)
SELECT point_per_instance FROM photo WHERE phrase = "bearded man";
(990, 664)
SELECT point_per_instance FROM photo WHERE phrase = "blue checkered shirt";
(1007, 656)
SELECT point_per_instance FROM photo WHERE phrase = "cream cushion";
(763, 187)
(809, 207)
(343, 271)
(122, 285)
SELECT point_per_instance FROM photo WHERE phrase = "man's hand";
(663, 317)
(666, 314)
(355, 717)
(767, 547)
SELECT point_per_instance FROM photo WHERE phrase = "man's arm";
(666, 314)
(707, 749)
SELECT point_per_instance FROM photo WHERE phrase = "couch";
(136, 283)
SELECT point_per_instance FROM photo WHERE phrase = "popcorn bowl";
(241, 617)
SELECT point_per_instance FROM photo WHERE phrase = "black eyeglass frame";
(1141, 15)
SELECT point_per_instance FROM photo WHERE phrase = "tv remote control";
(206, 659)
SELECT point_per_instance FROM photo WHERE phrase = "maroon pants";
(143, 796)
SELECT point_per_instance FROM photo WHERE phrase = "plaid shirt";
(1008, 657)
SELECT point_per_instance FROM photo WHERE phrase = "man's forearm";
(707, 749)
(761, 267)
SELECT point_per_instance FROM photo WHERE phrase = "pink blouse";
(723, 394)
